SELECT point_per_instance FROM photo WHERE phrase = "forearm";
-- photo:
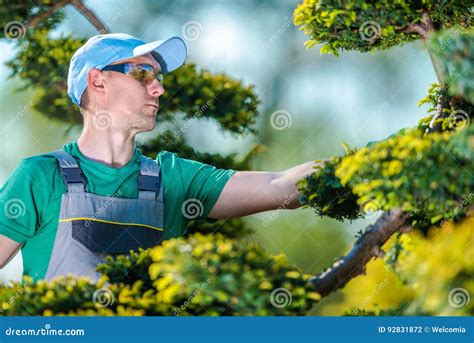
(249, 192)
(287, 180)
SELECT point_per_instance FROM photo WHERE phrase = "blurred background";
(354, 98)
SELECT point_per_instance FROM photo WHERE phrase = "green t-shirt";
(30, 200)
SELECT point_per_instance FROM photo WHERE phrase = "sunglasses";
(141, 72)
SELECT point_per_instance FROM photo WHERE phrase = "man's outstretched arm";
(8, 250)
(249, 192)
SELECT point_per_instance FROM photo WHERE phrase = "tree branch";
(90, 15)
(417, 28)
(368, 245)
(437, 68)
(428, 22)
(40, 17)
(423, 29)
(80, 6)
(440, 106)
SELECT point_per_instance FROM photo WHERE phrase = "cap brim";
(170, 53)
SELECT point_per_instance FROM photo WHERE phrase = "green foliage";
(454, 49)
(374, 25)
(23, 12)
(43, 62)
(324, 192)
(203, 275)
(173, 141)
(456, 112)
(201, 94)
(230, 228)
(432, 98)
(128, 268)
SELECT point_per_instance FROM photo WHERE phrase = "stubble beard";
(145, 120)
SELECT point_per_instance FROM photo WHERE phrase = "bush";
(203, 275)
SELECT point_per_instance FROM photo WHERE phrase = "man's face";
(134, 103)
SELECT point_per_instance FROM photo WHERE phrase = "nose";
(155, 89)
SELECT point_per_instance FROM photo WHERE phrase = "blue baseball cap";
(102, 50)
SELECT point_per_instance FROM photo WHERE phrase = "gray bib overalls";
(93, 226)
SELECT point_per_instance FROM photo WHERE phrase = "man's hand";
(8, 250)
(249, 192)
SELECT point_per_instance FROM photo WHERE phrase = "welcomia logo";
(444, 329)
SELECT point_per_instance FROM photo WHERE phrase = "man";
(67, 209)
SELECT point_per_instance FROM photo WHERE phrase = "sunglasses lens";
(145, 67)
(143, 73)
(159, 77)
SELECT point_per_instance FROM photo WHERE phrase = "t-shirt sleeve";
(19, 198)
(202, 184)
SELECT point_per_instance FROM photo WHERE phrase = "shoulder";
(172, 163)
(36, 170)
(166, 157)
(32, 173)
(40, 163)
(184, 168)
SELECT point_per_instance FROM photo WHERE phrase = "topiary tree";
(378, 25)
(421, 176)
(418, 176)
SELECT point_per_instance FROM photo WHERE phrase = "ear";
(96, 81)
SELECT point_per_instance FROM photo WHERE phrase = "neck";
(114, 149)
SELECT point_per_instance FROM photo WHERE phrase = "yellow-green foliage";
(62, 296)
(378, 291)
(203, 275)
(433, 276)
(427, 175)
(439, 270)
(423, 174)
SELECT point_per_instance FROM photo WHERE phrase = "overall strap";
(71, 171)
(150, 186)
